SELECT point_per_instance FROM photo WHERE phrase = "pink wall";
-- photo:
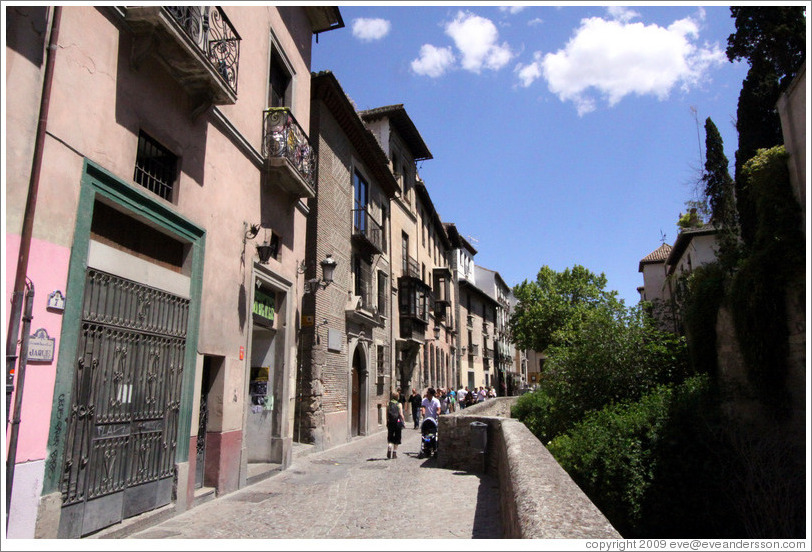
(48, 270)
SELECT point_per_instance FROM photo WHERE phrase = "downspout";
(22, 260)
(11, 459)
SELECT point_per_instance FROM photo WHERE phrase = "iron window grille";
(155, 167)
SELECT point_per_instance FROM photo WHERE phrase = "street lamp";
(328, 267)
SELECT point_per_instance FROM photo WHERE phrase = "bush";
(626, 454)
(617, 356)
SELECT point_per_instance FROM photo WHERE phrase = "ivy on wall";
(758, 290)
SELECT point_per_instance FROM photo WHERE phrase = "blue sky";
(560, 135)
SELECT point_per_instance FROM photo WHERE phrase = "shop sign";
(264, 305)
(41, 347)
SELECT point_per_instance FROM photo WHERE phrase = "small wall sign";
(41, 347)
(56, 301)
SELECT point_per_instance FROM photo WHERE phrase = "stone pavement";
(349, 491)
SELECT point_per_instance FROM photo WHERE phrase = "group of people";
(430, 405)
(466, 397)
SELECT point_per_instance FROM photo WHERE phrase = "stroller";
(428, 442)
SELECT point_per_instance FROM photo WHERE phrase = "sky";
(560, 135)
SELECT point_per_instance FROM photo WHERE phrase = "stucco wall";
(792, 110)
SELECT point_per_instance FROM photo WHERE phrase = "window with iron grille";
(383, 291)
(383, 360)
(155, 167)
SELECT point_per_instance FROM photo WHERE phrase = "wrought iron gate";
(123, 421)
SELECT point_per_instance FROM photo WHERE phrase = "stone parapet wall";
(538, 499)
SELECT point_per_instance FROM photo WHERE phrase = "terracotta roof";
(659, 255)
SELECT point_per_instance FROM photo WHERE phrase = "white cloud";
(530, 72)
(535, 21)
(622, 13)
(617, 58)
(512, 9)
(477, 40)
(433, 61)
(367, 30)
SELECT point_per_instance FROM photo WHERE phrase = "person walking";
(402, 399)
(470, 397)
(415, 401)
(431, 406)
(461, 395)
(394, 425)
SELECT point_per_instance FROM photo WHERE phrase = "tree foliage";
(758, 289)
(771, 37)
(773, 41)
(599, 351)
(551, 309)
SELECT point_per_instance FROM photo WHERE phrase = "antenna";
(662, 236)
(698, 139)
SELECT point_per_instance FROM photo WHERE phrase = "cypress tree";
(719, 190)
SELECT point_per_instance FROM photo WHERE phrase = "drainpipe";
(20, 284)
(11, 460)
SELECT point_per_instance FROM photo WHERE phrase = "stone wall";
(538, 499)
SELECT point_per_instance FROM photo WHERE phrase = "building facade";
(161, 166)
(346, 337)
(498, 342)
(400, 140)
(440, 340)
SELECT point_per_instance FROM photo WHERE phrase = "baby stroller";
(428, 441)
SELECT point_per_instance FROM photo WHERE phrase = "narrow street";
(350, 491)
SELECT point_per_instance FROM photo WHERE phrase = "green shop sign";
(264, 305)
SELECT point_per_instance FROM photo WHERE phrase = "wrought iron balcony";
(289, 158)
(198, 45)
(411, 268)
(367, 232)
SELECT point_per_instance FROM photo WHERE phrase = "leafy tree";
(551, 309)
(772, 37)
(618, 355)
(599, 351)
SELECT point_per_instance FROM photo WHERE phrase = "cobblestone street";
(350, 491)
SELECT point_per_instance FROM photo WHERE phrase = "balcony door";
(360, 202)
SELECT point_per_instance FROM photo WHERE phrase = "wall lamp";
(264, 251)
(328, 267)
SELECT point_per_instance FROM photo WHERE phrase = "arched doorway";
(357, 396)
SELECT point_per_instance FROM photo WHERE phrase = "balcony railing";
(198, 44)
(287, 152)
(212, 32)
(411, 268)
(368, 230)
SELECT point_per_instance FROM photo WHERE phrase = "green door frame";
(98, 182)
